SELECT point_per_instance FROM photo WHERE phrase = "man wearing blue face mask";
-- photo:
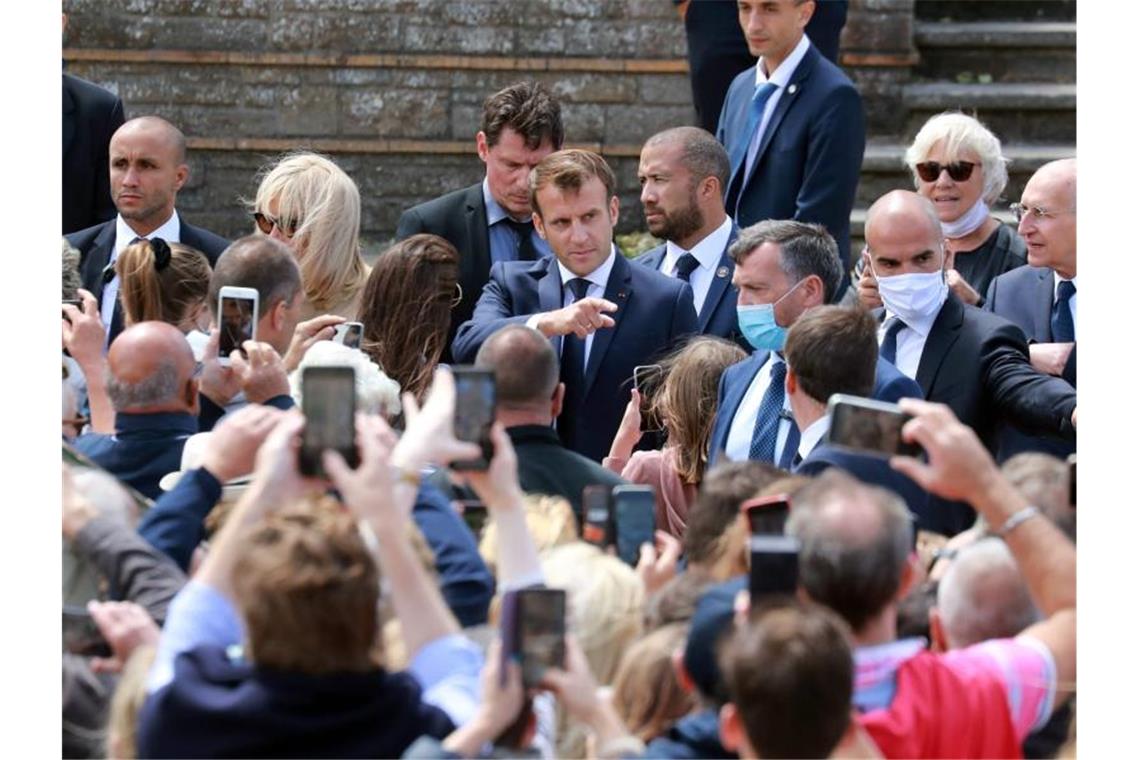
(783, 268)
(975, 362)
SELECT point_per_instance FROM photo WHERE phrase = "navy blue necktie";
(685, 266)
(889, 347)
(763, 445)
(523, 231)
(572, 372)
(755, 114)
(1061, 321)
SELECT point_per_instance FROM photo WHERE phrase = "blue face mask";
(758, 324)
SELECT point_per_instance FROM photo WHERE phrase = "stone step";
(994, 10)
(1000, 51)
(1015, 112)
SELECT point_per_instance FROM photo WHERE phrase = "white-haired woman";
(957, 163)
(307, 202)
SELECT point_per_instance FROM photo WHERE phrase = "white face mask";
(974, 218)
(913, 297)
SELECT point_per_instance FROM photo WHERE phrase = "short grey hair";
(805, 249)
(960, 133)
(160, 387)
(984, 596)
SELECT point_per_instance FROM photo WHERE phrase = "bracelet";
(1017, 518)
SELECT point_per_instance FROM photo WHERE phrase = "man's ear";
(481, 146)
(910, 577)
(790, 381)
(709, 188)
(181, 174)
(277, 316)
(539, 227)
(731, 731)
(938, 641)
(615, 207)
(192, 389)
(683, 677)
(557, 399)
(813, 292)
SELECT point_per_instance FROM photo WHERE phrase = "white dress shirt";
(780, 77)
(707, 253)
(910, 340)
(811, 436)
(598, 279)
(168, 231)
(744, 423)
(1072, 301)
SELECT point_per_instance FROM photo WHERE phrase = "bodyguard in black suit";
(491, 221)
(606, 314)
(90, 116)
(147, 169)
(971, 360)
(682, 174)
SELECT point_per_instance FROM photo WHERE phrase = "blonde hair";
(315, 194)
(647, 695)
(550, 520)
(154, 289)
(958, 134)
(130, 693)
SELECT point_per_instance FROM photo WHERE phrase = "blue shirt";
(143, 449)
(504, 241)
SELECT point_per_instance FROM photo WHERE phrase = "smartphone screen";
(597, 522)
(534, 631)
(634, 520)
(349, 334)
(474, 413)
(328, 399)
(766, 514)
(1073, 480)
(868, 427)
(474, 513)
(81, 635)
(775, 565)
(236, 320)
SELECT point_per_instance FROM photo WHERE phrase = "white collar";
(599, 276)
(784, 71)
(1057, 280)
(169, 231)
(707, 252)
(812, 435)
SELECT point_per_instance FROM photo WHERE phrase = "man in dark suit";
(491, 221)
(528, 398)
(148, 168)
(90, 116)
(832, 350)
(608, 315)
(1041, 297)
(682, 173)
(793, 127)
(783, 268)
(971, 360)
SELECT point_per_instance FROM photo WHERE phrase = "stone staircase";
(1011, 64)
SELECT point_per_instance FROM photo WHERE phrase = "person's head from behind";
(783, 268)
(527, 388)
(574, 197)
(151, 369)
(708, 541)
(164, 282)
(1044, 481)
(147, 160)
(790, 675)
(406, 309)
(982, 596)
(683, 172)
(647, 694)
(522, 124)
(686, 400)
(957, 163)
(267, 266)
(856, 548)
(830, 349)
(308, 203)
(308, 591)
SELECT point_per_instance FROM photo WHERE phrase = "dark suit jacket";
(90, 116)
(808, 163)
(718, 314)
(95, 245)
(1024, 296)
(890, 385)
(875, 471)
(460, 218)
(546, 466)
(654, 313)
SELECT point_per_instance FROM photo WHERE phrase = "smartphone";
(634, 520)
(474, 513)
(868, 426)
(81, 635)
(767, 514)
(1073, 480)
(597, 519)
(775, 565)
(237, 320)
(474, 413)
(349, 334)
(534, 631)
(328, 399)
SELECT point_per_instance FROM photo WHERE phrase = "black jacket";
(90, 116)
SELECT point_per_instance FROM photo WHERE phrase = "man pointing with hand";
(604, 316)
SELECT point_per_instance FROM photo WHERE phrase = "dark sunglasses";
(266, 223)
(960, 171)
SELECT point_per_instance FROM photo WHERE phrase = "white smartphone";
(237, 320)
(349, 334)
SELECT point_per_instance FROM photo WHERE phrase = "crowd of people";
(229, 593)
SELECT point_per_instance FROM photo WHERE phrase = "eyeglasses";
(1036, 212)
(930, 171)
(266, 223)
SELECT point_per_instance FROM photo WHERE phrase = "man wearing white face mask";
(783, 268)
(975, 362)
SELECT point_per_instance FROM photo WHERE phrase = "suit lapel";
(478, 233)
(732, 400)
(1042, 304)
(787, 98)
(653, 258)
(96, 259)
(68, 118)
(719, 285)
(618, 291)
(943, 333)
